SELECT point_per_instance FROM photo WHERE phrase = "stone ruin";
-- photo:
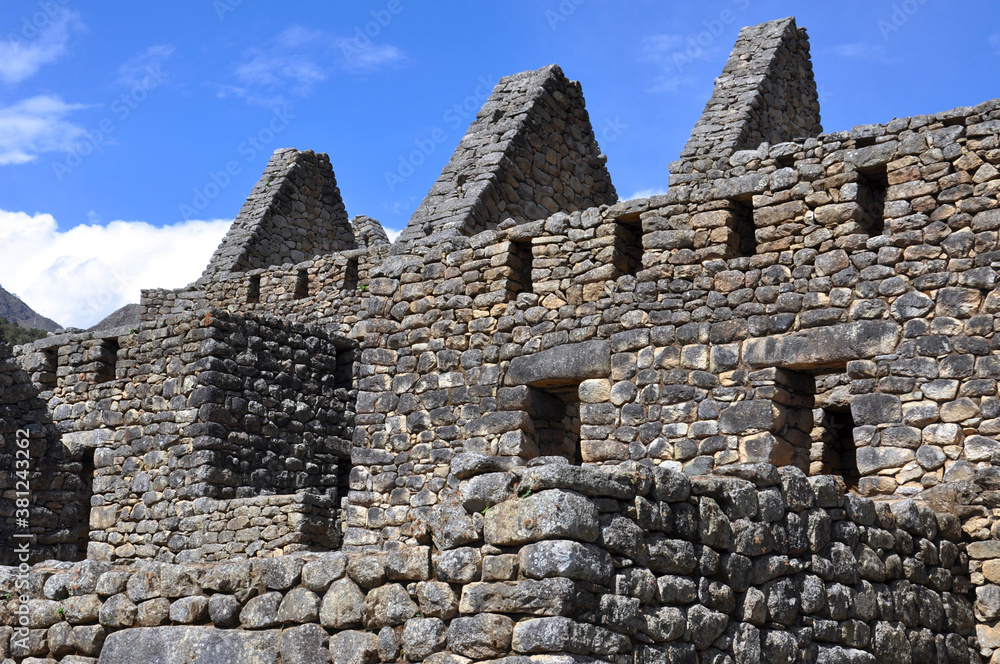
(753, 420)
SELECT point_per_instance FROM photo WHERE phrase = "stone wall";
(629, 563)
(765, 94)
(186, 410)
(530, 152)
(293, 213)
(33, 462)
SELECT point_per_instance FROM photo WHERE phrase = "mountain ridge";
(16, 311)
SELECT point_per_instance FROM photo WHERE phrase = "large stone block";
(829, 346)
(192, 645)
(571, 363)
(565, 558)
(753, 415)
(553, 514)
(545, 597)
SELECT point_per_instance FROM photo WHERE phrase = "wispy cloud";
(79, 276)
(646, 193)
(994, 41)
(136, 70)
(36, 125)
(21, 58)
(659, 48)
(369, 59)
(864, 52)
(297, 60)
(674, 54)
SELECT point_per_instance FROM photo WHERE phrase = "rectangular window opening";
(302, 285)
(253, 289)
(872, 185)
(520, 264)
(343, 373)
(864, 142)
(107, 360)
(628, 247)
(555, 412)
(743, 238)
(351, 275)
(82, 515)
(839, 456)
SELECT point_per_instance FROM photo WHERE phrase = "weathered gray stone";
(261, 612)
(306, 644)
(353, 647)
(823, 346)
(341, 605)
(564, 558)
(555, 366)
(423, 637)
(484, 636)
(546, 597)
(549, 514)
(389, 605)
(193, 645)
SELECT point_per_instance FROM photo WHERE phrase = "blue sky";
(118, 120)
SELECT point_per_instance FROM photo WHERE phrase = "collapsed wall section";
(530, 152)
(294, 212)
(766, 93)
(628, 564)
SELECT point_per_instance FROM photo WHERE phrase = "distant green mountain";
(15, 311)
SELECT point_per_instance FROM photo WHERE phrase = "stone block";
(549, 514)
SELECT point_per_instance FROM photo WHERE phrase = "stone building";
(754, 419)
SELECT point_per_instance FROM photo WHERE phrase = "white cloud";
(646, 193)
(392, 234)
(24, 53)
(36, 125)
(994, 41)
(78, 276)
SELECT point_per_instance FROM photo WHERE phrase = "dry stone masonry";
(754, 420)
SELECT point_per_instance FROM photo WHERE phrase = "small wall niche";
(107, 360)
(628, 247)
(351, 275)
(343, 373)
(302, 285)
(82, 517)
(253, 289)
(872, 185)
(743, 240)
(520, 262)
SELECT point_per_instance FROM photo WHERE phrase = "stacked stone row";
(620, 564)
